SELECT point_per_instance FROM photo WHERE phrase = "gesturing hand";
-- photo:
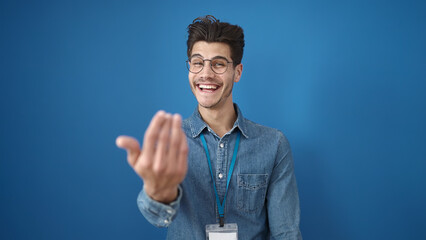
(162, 161)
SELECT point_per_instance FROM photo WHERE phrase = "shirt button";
(220, 175)
(166, 221)
(221, 145)
(169, 211)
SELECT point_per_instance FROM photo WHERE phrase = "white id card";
(227, 232)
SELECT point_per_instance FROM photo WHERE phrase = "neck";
(220, 120)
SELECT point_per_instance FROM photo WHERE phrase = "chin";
(205, 105)
(209, 105)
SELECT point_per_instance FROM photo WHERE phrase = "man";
(215, 174)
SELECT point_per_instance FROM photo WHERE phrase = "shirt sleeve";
(282, 197)
(158, 214)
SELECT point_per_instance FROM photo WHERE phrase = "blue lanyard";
(221, 206)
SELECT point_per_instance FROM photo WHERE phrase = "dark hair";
(210, 29)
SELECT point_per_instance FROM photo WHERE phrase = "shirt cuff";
(158, 214)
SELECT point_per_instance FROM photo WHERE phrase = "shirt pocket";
(251, 192)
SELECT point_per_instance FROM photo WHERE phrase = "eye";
(219, 63)
(197, 62)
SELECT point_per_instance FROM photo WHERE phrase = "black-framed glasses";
(218, 65)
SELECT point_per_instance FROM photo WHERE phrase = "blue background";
(344, 80)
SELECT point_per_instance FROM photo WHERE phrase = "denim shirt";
(262, 198)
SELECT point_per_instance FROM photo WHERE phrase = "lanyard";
(221, 206)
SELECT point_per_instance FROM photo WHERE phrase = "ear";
(238, 72)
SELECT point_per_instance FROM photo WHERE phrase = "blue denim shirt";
(262, 197)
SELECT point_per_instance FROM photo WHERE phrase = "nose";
(207, 71)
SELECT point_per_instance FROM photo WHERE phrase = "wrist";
(165, 196)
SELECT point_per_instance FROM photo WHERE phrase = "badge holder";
(227, 232)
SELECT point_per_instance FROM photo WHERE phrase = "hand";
(162, 161)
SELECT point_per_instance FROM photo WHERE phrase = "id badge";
(227, 232)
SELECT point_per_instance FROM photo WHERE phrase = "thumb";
(131, 145)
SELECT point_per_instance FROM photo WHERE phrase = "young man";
(215, 174)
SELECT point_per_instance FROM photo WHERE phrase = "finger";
(131, 145)
(152, 133)
(163, 143)
(175, 137)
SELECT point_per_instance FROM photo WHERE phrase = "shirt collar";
(198, 125)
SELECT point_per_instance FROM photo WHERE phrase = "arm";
(282, 197)
(162, 165)
(157, 213)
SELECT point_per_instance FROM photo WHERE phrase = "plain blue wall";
(344, 80)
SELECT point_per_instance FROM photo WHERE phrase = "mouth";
(208, 88)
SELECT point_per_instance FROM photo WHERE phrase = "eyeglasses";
(218, 65)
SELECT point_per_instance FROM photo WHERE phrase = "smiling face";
(212, 90)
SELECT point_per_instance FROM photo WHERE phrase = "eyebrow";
(215, 57)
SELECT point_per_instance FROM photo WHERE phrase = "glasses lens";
(219, 65)
(196, 64)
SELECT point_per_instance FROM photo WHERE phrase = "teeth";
(207, 86)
